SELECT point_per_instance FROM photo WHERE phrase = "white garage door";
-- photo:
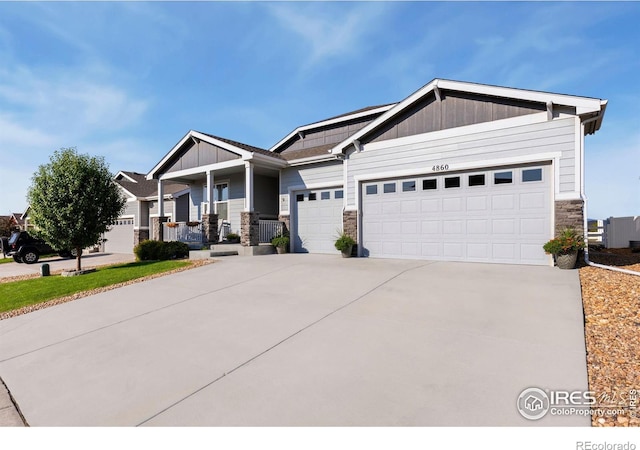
(318, 220)
(501, 215)
(120, 237)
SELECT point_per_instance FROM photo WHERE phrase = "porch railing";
(270, 229)
(180, 231)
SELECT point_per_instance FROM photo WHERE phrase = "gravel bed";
(27, 309)
(611, 303)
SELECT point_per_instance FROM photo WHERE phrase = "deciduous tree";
(74, 201)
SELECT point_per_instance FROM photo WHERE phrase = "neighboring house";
(456, 171)
(142, 205)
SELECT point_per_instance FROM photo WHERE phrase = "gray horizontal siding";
(327, 172)
(554, 136)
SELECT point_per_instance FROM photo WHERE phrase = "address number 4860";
(440, 167)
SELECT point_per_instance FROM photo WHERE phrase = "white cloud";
(329, 33)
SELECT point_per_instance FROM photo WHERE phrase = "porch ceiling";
(201, 176)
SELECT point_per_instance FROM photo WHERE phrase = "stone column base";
(158, 231)
(350, 224)
(140, 235)
(249, 228)
(286, 221)
(210, 228)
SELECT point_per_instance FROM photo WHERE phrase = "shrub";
(344, 242)
(280, 241)
(156, 250)
(232, 237)
(568, 241)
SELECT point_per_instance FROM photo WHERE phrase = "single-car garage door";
(501, 215)
(318, 220)
(119, 239)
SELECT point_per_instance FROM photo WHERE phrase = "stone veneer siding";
(249, 228)
(156, 223)
(210, 228)
(350, 224)
(140, 236)
(569, 213)
(286, 220)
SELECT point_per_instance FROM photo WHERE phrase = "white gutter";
(584, 200)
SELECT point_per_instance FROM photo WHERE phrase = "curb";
(10, 415)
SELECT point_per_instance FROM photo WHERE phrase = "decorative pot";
(281, 250)
(567, 261)
(347, 253)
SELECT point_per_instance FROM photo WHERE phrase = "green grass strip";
(5, 260)
(18, 294)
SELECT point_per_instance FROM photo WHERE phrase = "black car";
(24, 248)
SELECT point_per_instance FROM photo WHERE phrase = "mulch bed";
(58, 301)
(611, 303)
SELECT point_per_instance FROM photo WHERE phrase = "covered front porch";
(233, 191)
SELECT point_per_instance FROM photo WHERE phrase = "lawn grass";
(6, 260)
(18, 294)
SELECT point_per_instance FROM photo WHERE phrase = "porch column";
(210, 188)
(248, 186)
(160, 199)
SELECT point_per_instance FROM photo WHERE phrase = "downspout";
(583, 197)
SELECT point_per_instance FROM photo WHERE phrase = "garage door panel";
(534, 200)
(317, 223)
(119, 238)
(477, 226)
(504, 202)
(478, 250)
(477, 203)
(430, 205)
(452, 204)
(504, 222)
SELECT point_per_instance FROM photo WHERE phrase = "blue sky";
(127, 80)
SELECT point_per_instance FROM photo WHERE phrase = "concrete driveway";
(293, 340)
(56, 263)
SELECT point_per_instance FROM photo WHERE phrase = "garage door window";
(312, 196)
(389, 188)
(476, 180)
(408, 186)
(529, 175)
(428, 185)
(338, 194)
(451, 182)
(300, 197)
(325, 195)
(372, 189)
(503, 177)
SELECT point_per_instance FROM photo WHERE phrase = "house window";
(408, 186)
(451, 182)
(476, 180)
(325, 195)
(339, 194)
(221, 192)
(389, 188)
(531, 175)
(503, 177)
(312, 196)
(372, 189)
(428, 185)
(299, 197)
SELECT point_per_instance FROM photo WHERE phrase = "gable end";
(454, 109)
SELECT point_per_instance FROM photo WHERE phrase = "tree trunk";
(78, 259)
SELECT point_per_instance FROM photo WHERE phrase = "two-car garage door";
(501, 215)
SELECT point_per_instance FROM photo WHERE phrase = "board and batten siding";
(512, 142)
(322, 173)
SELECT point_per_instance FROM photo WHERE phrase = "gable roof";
(363, 112)
(137, 185)
(586, 107)
(245, 151)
